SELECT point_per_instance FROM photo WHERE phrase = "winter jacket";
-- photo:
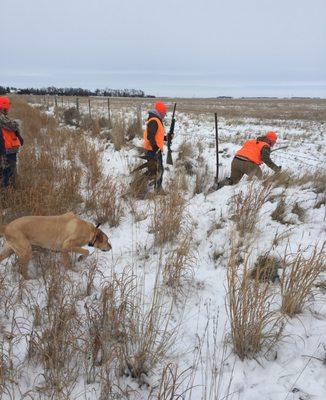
(152, 128)
(262, 145)
(9, 125)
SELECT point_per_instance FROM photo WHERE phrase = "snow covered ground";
(296, 369)
(293, 374)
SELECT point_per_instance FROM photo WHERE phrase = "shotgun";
(279, 148)
(170, 136)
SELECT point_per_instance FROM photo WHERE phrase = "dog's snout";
(108, 247)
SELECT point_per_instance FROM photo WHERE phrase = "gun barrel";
(169, 137)
(279, 148)
(174, 107)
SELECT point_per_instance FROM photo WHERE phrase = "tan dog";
(63, 233)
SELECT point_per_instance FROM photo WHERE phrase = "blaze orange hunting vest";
(252, 151)
(11, 141)
(159, 136)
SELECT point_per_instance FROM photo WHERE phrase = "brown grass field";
(262, 108)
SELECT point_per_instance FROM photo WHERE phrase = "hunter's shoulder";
(3, 120)
(6, 122)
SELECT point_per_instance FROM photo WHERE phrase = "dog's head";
(100, 240)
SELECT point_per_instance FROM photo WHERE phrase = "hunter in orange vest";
(154, 137)
(10, 143)
(247, 160)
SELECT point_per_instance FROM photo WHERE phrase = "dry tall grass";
(179, 266)
(298, 278)
(315, 180)
(266, 268)
(52, 179)
(279, 214)
(236, 109)
(168, 215)
(203, 179)
(246, 206)
(107, 321)
(74, 337)
(255, 326)
(171, 383)
(125, 331)
(54, 341)
(59, 170)
(150, 339)
(106, 202)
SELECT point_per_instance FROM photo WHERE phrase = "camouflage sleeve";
(9, 124)
(265, 155)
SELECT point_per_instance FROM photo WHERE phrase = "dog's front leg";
(24, 258)
(82, 257)
(71, 245)
(6, 252)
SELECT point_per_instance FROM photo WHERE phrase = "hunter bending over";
(247, 160)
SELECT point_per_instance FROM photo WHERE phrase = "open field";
(260, 108)
(204, 295)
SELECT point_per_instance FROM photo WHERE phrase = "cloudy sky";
(167, 47)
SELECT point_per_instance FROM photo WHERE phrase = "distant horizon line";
(14, 89)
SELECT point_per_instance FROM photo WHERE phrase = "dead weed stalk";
(255, 326)
(246, 206)
(168, 215)
(179, 266)
(299, 276)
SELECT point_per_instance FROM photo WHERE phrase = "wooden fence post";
(216, 145)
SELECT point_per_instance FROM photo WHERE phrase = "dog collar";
(92, 242)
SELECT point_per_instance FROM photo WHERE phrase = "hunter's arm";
(265, 155)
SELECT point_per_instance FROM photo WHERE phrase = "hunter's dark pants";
(239, 168)
(8, 174)
(152, 154)
(243, 167)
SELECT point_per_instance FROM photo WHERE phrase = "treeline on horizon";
(52, 90)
